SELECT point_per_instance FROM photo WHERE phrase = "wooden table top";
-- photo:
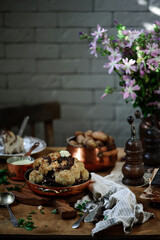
(51, 226)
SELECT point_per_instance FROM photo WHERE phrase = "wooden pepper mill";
(133, 169)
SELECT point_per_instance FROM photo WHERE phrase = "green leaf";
(3, 176)
(3, 172)
(28, 225)
(16, 188)
(79, 214)
(82, 206)
(33, 212)
(109, 90)
(42, 212)
(55, 211)
(21, 221)
(120, 27)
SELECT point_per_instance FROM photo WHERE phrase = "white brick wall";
(42, 59)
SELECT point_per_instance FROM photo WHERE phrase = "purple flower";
(156, 104)
(153, 63)
(152, 49)
(127, 79)
(123, 44)
(157, 23)
(81, 33)
(142, 69)
(93, 47)
(135, 57)
(131, 36)
(103, 95)
(129, 90)
(99, 32)
(116, 22)
(157, 91)
(105, 41)
(113, 64)
(128, 65)
(114, 52)
(152, 103)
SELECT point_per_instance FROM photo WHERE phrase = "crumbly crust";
(58, 170)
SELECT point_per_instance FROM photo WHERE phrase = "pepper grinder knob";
(137, 114)
(130, 119)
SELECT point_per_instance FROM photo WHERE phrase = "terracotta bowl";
(16, 172)
(94, 159)
(56, 191)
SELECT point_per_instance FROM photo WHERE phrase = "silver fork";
(78, 222)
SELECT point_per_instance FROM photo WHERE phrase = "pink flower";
(156, 104)
(113, 64)
(127, 79)
(152, 103)
(129, 90)
(114, 52)
(99, 32)
(143, 69)
(93, 47)
(152, 49)
(103, 95)
(131, 36)
(157, 22)
(153, 63)
(105, 41)
(157, 91)
(128, 65)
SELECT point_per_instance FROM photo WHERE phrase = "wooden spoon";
(35, 145)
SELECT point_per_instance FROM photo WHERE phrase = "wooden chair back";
(43, 112)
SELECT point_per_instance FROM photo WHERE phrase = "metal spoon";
(6, 199)
(78, 222)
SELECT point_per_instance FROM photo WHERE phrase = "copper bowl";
(94, 159)
(16, 172)
(56, 191)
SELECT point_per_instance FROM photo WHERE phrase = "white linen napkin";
(121, 206)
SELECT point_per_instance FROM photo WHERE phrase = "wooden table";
(51, 226)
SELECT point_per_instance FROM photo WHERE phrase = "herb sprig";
(28, 225)
(4, 180)
(16, 188)
(55, 211)
(81, 207)
(3, 176)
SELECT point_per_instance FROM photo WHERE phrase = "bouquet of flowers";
(135, 56)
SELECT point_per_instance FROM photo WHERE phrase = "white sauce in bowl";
(22, 162)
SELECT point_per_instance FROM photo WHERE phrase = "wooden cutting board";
(27, 196)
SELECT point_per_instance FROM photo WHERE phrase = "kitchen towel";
(121, 206)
